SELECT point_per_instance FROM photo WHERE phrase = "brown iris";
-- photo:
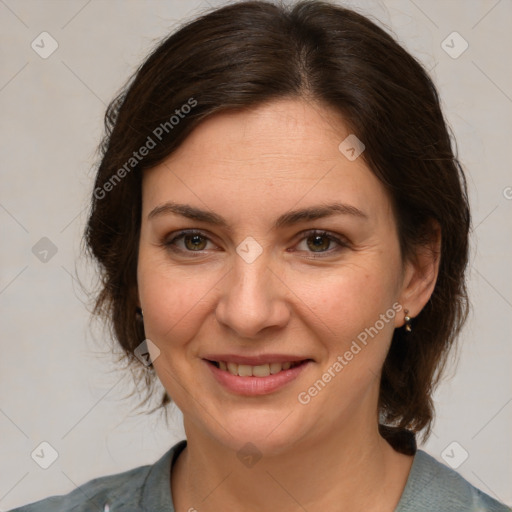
(317, 243)
(197, 242)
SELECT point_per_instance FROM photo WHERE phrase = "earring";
(139, 312)
(407, 320)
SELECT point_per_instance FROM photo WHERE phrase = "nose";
(253, 299)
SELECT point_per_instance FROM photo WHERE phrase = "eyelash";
(170, 244)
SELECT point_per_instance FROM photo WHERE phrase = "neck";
(353, 467)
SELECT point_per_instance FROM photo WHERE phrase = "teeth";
(244, 370)
(263, 370)
(275, 367)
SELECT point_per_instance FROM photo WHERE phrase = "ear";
(420, 273)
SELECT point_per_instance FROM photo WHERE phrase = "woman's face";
(255, 283)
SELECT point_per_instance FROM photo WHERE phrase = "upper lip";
(255, 360)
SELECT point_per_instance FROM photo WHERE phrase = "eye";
(320, 242)
(188, 241)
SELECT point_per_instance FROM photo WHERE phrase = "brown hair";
(252, 52)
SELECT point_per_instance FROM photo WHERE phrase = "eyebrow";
(287, 219)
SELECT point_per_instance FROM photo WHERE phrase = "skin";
(250, 167)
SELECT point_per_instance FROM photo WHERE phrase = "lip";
(256, 386)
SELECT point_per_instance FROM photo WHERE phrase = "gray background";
(58, 382)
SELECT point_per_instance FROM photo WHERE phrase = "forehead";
(271, 157)
(280, 133)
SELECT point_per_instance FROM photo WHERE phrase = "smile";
(262, 370)
(253, 380)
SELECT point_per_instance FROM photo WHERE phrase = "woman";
(282, 229)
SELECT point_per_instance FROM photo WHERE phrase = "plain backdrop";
(59, 385)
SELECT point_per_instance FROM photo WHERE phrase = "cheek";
(352, 318)
(351, 313)
(173, 300)
(351, 298)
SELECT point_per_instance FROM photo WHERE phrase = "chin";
(270, 432)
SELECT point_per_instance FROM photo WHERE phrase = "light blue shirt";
(431, 487)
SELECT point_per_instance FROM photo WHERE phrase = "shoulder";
(432, 486)
(136, 489)
(122, 488)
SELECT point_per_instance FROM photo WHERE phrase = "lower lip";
(253, 386)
